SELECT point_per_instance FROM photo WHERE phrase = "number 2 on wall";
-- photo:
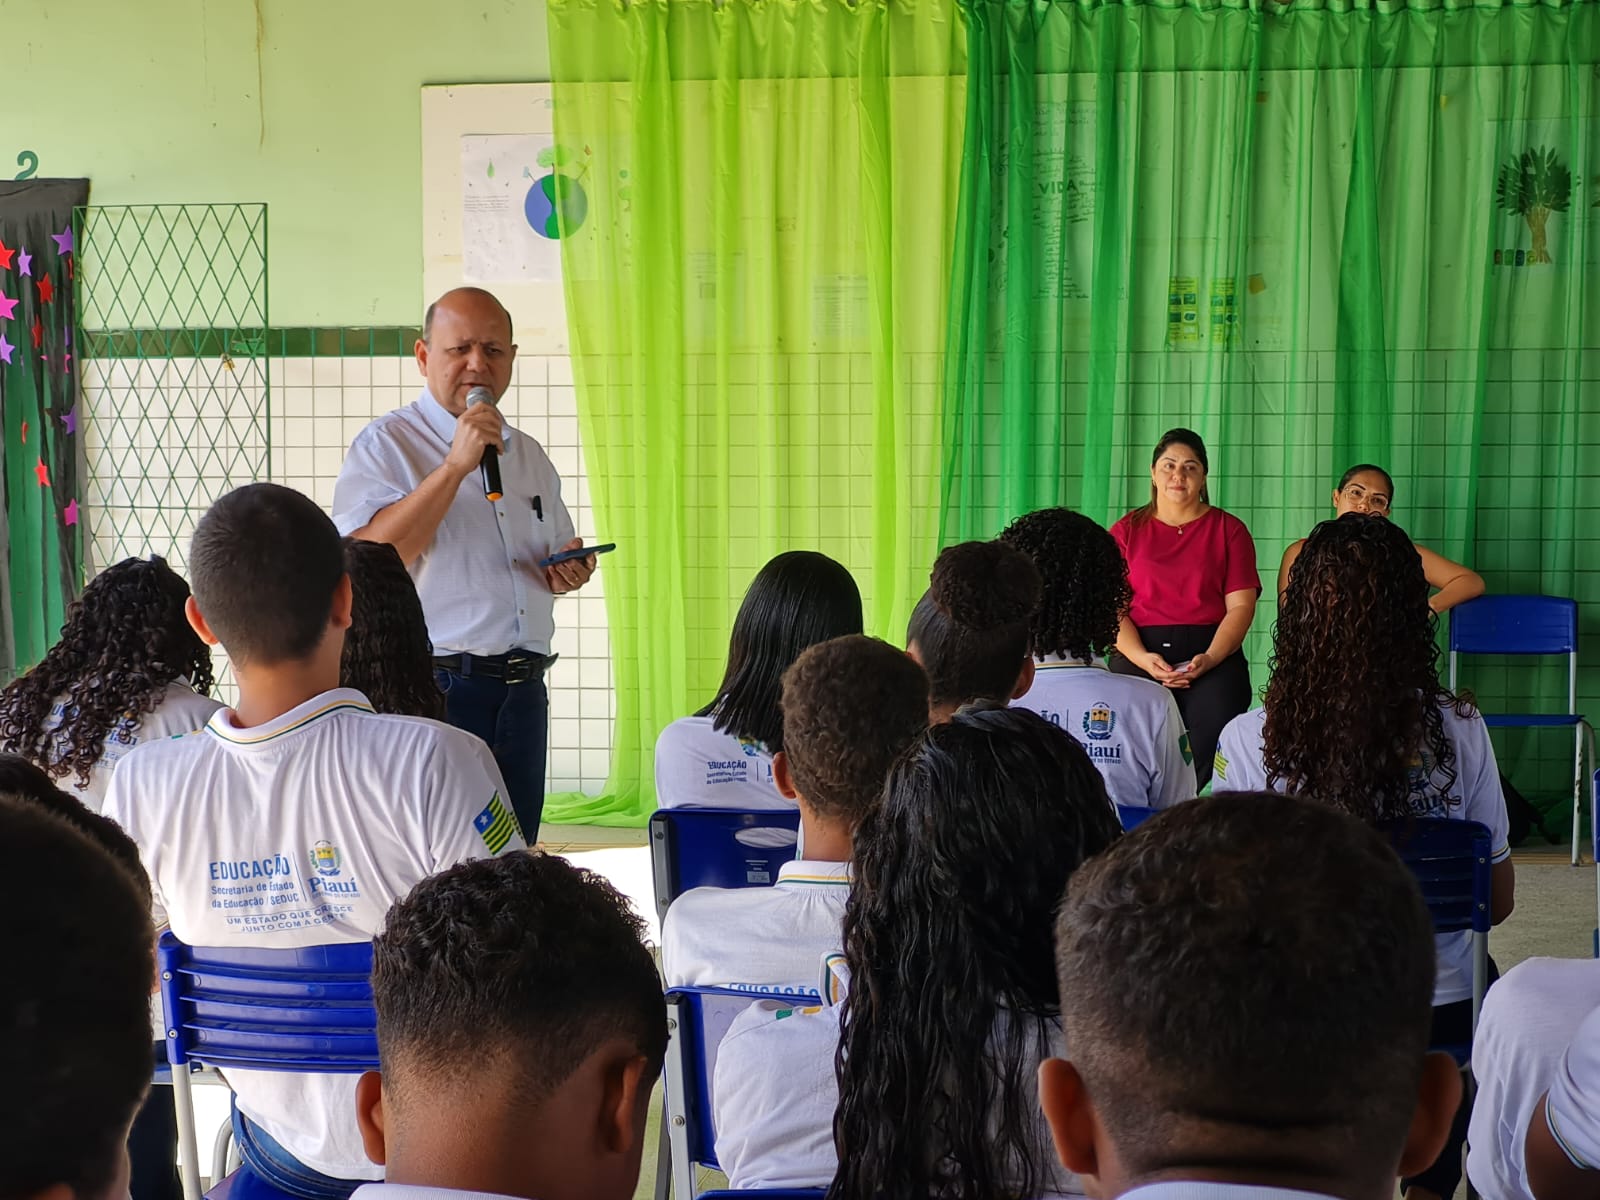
(29, 162)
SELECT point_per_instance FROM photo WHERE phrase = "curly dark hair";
(1086, 589)
(948, 936)
(125, 639)
(851, 706)
(1353, 709)
(970, 629)
(387, 655)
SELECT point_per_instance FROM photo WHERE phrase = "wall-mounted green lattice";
(173, 306)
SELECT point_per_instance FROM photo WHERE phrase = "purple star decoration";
(5, 349)
(69, 419)
(24, 263)
(63, 240)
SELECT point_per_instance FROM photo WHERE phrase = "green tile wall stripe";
(355, 341)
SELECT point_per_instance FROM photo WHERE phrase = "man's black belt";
(519, 666)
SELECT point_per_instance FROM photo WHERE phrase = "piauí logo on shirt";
(1099, 721)
(325, 859)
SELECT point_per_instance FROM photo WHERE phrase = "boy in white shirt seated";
(1241, 1022)
(297, 819)
(850, 707)
(1130, 725)
(1529, 1019)
(520, 1028)
(74, 1023)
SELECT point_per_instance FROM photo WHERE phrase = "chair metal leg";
(188, 1144)
(663, 1157)
(1577, 793)
(219, 1153)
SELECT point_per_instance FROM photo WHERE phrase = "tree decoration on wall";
(43, 464)
(1533, 185)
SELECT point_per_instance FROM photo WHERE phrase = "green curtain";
(1319, 237)
(757, 302)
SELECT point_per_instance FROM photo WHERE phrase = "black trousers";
(1208, 703)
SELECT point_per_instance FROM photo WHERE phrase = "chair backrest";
(1451, 862)
(1132, 817)
(699, 1019)
(307, 1009)
(719, 847)
(1515, 625)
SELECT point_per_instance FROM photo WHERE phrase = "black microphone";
(489, 466)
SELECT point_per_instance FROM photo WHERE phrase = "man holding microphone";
(420, 479)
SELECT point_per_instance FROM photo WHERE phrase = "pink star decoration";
(71, 514)
(8, 308)
(5, 349)
(24, 263)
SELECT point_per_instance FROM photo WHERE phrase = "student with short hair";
(1355, 717)
(74, 1015)
(387, 656)
(520, 1031)
(951, 995)
(1131, 726)
(126, 670)
(1241, 1022)
(1530, 1018)
(851, 706)
(297, 818)
(970, 630)
(722, 756)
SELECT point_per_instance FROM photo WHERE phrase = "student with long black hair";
(387, 656)
(1355, 717)
(722, 755)
(970, 630)
(952, 998)
(128, 669)
(1367, 489)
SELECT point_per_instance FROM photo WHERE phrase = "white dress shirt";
(1476, 796)
(763, 938)
(302, 832)
(481, 585)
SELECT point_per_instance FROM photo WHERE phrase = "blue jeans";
(514, 719)
(273, 1165)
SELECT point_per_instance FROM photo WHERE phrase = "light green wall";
(158, 101)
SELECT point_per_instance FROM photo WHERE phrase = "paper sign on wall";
(521, 194)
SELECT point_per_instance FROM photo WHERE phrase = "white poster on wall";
(521, 194)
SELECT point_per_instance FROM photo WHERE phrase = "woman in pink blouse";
(1195, 585)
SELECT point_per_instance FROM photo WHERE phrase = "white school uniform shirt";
(1573, 1107)
(301, 832)
(774, 1092)
(699, 767)
(482, 589)
(1475, 796)
(1529, 1019)
(181, 710)
(1131, 728)
(767, 939)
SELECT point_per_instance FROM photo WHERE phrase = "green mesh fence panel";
(173, 305)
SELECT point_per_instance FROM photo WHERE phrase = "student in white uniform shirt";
(970, 629)
(297, 819)
(850, 707)
(127, 670)
(1355, 717)
(952, 1001)
(1529, 1019)
(1241, 1022)
(722, 756)
(1563, 1146)
(520, 1031)
(74, 1029)
(1130, 726)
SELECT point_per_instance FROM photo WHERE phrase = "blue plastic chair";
(1451, 863)
(308, 1009)
(1528, 625)
(1132, 817)
(718, 847)
(699, 1018)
